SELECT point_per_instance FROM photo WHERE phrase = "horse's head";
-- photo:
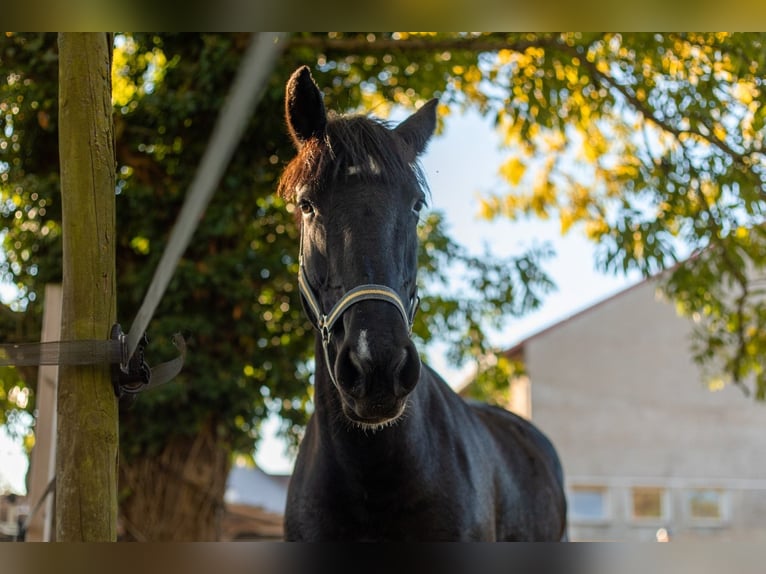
(358, 193)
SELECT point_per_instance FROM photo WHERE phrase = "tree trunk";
(86, 465)
(176, 495)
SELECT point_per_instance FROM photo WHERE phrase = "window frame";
(665, 505)
(724, 507)
(606, 496)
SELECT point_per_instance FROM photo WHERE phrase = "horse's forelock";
(354, 145)
(370, 148)
(303, 170)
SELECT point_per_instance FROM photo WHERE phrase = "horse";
(391, 451)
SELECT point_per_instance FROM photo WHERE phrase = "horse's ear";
(304, 108)
(417, 129)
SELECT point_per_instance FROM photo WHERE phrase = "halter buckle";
(324, 329)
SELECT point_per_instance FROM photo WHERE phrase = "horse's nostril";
(407, 371)
(399, 363)
(350, 372)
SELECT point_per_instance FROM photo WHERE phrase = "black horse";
(391, 451)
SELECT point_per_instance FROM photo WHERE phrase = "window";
(648, 503)
(705, 505)
(588, 503)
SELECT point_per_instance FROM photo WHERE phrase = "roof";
(519, 347)
(517, 350)
(253, 487)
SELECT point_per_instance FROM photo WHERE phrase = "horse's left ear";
(304, 109)
(417, 129)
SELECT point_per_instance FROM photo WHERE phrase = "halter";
(324, 323)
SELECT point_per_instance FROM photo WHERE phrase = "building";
(254, 504)
(649, 451)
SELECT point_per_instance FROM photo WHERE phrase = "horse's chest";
(401, 510)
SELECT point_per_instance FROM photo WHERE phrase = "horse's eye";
(418, 206)
(306, 207)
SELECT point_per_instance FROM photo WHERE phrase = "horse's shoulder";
(512, 430)
(509, 429)
(498, 414)
(504, 420)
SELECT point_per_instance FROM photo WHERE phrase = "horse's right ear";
(304, 109)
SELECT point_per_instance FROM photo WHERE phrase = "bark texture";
(87, 437)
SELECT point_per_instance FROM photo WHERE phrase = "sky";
(460, 164)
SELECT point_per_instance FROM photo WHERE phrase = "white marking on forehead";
(354, 169)
(301, 189)
(363, 351)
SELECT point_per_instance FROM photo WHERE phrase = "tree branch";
(473, 44)
(649, 113)
(495, 43)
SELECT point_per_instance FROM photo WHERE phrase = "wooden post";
(43, 463)
(86, 465)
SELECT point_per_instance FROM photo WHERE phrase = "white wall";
(616, 390)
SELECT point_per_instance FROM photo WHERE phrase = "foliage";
(492, 383)
(491, 290)
(653, 144)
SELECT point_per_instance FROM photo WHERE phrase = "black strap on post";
(133, 375)
(130, 375)
(61, 353)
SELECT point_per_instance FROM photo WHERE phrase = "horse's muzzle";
(375, 378)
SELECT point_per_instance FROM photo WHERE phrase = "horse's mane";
(367, 144)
